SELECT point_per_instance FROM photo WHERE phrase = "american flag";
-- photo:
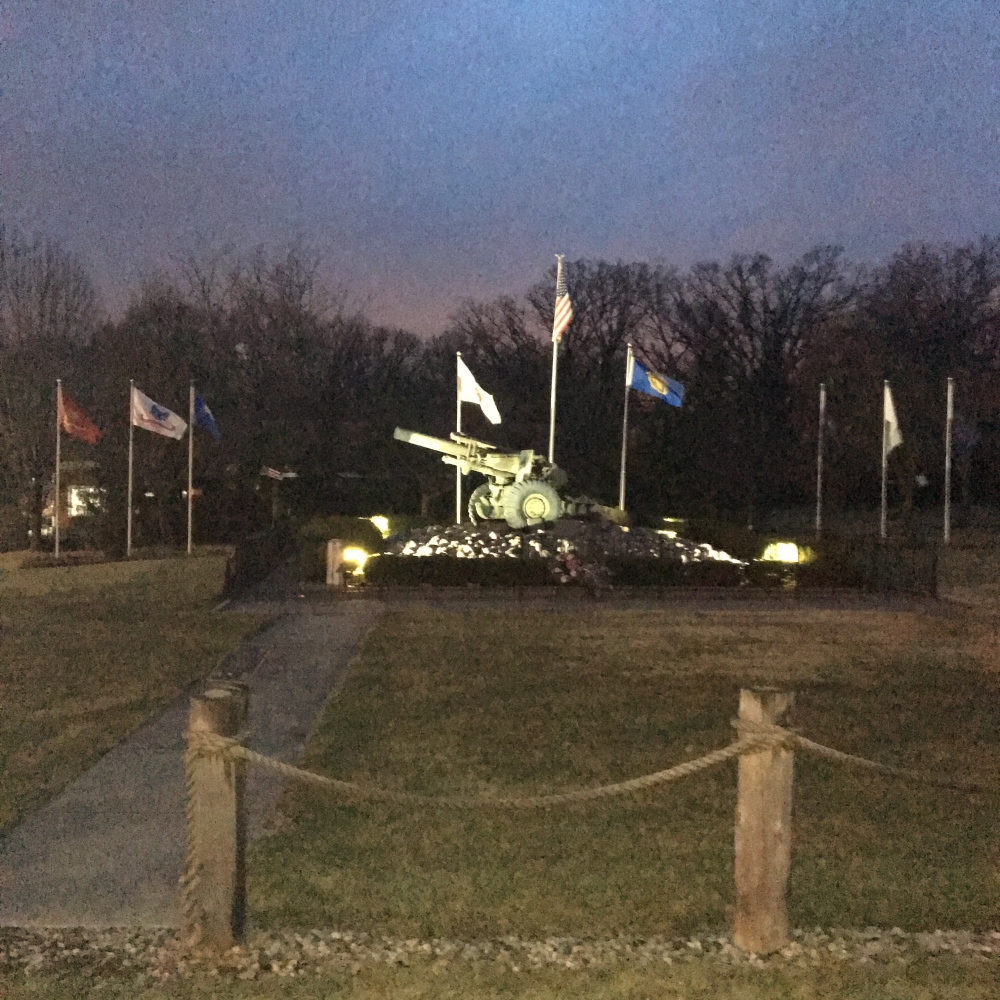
(564, 308)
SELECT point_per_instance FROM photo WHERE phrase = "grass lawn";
(937, 979)
(88, 653)
(524, 701)
(527, 701)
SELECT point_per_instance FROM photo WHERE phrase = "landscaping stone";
(157, 954)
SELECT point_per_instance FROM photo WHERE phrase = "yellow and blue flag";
(640, 378)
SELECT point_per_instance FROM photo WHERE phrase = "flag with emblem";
(153, 417)
(640, 378)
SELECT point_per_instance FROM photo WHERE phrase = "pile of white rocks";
(589, 540)
(156, 955)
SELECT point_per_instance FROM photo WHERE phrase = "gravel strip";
(156, 955)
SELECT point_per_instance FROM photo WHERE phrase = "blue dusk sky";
(428, 152)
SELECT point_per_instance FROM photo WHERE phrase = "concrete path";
(108, 850)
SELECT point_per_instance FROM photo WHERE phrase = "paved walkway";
(108, 850)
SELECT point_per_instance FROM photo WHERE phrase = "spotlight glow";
(787, 552)
(356, 556)
(382, 523)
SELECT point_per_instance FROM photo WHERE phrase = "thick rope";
(754, 738)
(209, 743)
(790, 740)
(191, 873)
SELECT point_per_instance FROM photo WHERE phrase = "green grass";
(942, 978)
(89, 653)
(525, 701)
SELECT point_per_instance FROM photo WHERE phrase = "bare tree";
(46, 293)
(48, 311)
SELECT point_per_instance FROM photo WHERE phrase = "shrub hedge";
(647, 572)
(447, 571)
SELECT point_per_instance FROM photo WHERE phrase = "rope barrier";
(753, 738)
(790, 739)
(209, 743)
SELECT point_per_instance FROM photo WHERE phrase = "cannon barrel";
(471, 455)
(433, 443)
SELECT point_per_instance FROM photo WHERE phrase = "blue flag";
(203, 417)
(640, 378)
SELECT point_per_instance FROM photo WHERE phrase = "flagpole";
(819, 460)
(58, 450)
(131, 436)
(621, 478)
(458, 430)
(555, 365)
(190, 457)
(885, 457)
(949, 419)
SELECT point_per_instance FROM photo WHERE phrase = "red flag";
(75, 422)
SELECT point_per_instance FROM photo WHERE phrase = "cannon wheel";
(530, 502)
(480, 504)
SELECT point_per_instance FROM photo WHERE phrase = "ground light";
(352, 554)
(787, 552)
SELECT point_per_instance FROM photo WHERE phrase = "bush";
(447, 571)
(13, 529)
(772, 574)
(646, 572)
(732, 538)
(403, 524)
(313, 536)
(255, 557)
(869, 564)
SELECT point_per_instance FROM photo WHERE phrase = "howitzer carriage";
(522, 488)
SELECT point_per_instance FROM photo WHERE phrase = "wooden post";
(214, 881)
(763, 830)
(334, 560)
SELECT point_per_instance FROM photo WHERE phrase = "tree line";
(299, 380)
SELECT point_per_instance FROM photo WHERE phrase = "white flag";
(470, 392)
(893, 437)
(155, 418)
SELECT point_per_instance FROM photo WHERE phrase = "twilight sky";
(433, 151)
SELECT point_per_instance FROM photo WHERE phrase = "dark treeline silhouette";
(298, 380)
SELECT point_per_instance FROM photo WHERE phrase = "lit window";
(83, 500)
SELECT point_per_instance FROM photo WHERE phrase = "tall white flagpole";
(190, 458)
(131, 436)
(949, 419)
(621, 478)
(819, 460)
(458, 430)
(885, 457)
(555, 365)
(58, 449)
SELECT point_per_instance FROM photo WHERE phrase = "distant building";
(80, 496)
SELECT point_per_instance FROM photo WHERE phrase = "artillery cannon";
(522, 488)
